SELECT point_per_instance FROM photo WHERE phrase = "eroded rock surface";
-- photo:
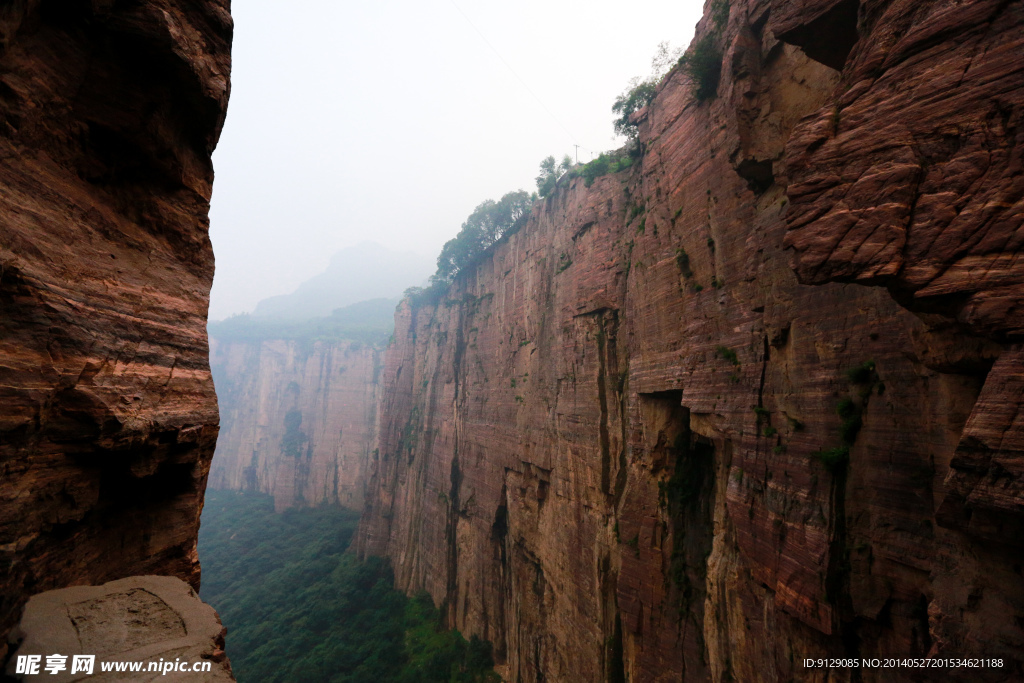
(108, 115)
(914, 180)
(674, 428)
(136, 620)
(298, 419)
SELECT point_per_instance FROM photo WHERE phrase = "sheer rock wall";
(109, 113)
(298, 419)
(754, 399)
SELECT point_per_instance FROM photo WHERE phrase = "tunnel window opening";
(829, 38)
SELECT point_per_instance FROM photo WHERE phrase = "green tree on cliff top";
(489, 222)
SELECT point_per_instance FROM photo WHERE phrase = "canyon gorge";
(299, 418)
(755, 398)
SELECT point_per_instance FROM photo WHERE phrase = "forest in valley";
(299, 606)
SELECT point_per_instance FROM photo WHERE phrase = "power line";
(509, 67)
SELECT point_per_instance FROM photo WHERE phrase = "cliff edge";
(109, 113)
(756, 398)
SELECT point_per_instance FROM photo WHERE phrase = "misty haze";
(533, 342)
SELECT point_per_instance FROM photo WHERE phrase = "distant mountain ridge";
(365, 271)
(371, 321)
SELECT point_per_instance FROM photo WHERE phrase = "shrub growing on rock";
(702, 64)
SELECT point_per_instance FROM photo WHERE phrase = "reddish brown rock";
(615, 448)
(298, 419)
(985, 490)
(913, 177)
(108, 116)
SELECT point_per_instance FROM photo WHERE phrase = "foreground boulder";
(149, 627)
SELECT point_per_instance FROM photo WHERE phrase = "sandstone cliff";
(108, 115)
(299, 418)
(758, 397)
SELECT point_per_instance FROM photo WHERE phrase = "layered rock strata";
(298, 419)
(756, 398)
(109, 113)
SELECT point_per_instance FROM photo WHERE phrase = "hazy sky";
(391, 120)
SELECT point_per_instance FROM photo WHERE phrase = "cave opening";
(829, 38)
(687, 499)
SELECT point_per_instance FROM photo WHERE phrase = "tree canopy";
(640, 92)
(637, 96)
(298, 607)
(550, 172)
(489, 222)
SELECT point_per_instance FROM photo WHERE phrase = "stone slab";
(137, 619)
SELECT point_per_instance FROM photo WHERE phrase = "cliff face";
(108, 418)
(299, 419)
(758, 397)
(920, 189)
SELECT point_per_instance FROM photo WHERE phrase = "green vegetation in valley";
(299, 608)
(368, 322)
